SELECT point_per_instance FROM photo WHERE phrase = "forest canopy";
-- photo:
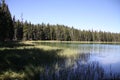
(12, 29)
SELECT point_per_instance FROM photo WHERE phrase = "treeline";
(28, 31)
(19, 30)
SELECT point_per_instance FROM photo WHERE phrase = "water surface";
(93, 61)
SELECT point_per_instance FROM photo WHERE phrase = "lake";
(93, 61)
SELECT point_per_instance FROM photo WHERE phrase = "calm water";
(93, 61)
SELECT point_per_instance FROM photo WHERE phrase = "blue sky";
(82, 14)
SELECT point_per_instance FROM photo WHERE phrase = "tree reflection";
(77, 70)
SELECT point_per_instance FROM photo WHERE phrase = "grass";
(25, 60)
(80, 42)
(12, 75)
(65, 52)
(29, 61)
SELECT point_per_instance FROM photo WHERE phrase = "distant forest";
(12, 29)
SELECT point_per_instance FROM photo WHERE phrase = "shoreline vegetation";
(17, 59)
(26, 60)
(80, 42)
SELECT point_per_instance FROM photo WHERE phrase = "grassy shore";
(26, 60)
(80, 42)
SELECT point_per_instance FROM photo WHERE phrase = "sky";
(81, 14)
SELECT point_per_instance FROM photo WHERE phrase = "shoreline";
(80, 42)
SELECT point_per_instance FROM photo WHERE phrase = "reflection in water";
(79, 70)
(93, 62)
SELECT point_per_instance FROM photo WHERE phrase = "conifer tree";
(6, 23)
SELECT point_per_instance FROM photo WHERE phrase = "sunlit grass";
(29, 61)
(66, 52)
(37, 54)
(12, 75)
(80, 42)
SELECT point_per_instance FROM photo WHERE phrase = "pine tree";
(6, 23)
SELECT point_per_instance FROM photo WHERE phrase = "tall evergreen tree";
(6, 23)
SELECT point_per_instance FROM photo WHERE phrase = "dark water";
(93, 62)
